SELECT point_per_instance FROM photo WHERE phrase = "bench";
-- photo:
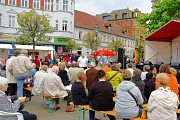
(51, 100)
(27, 92)
(83, 108)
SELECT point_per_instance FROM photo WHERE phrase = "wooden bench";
(83, 108)
(51, 100)
(28, 91)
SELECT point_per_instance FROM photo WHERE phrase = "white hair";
(44, 67)
(3, 81)
(23, 51)
(92, 64)
(55, 68)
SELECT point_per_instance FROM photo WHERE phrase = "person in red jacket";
(67, 59)
(37, 62)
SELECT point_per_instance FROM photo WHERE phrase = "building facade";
(107, 30)
(127, 21)
(60, 14)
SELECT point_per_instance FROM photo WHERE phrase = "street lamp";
(96, 29)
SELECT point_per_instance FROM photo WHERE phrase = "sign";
(61, 41)
(60, 50)
(5, 36)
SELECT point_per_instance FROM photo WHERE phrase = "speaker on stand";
(122, 58)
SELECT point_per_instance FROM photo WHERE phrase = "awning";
(6, 46)
(30, 47)
(166, 33)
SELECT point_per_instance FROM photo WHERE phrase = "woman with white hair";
(163, 103)
(6, 104)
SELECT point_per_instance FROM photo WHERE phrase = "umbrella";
(106, 53)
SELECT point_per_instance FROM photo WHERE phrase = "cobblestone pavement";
(38, 107)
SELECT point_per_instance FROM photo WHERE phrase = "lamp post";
(96, 29)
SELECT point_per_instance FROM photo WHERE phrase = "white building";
(85, 22)
(60, 13)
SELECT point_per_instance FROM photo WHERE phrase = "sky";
(101, 6)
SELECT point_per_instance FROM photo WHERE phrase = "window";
(137, 32)
(57, 25)
(128, 43)
(80, 33)
(11, 21)
(57, 5)
(124, 24)
(64, 25)
(12, 2)
(24, 3)
(129, 23)
(104, 38)
(136, 23)
(36, 4)
(0, 19)
(46, 4)
(136, 14)
(65, 5)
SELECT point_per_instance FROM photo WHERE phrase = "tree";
(115, 44)
(72, 45)
(89, 39)
(164, 12)
(33, 28)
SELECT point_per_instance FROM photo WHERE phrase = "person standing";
(12, 80)
(83, 61)
(21, 67)
(37, 62)
(103, 59)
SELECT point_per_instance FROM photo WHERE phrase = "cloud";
(101, 6)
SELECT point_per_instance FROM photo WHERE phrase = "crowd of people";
(94, 82)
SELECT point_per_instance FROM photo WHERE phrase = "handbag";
(143, 114)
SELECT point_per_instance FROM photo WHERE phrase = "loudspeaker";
(147, 63)
(120, 52)
(175, 65)
(122, 60)
(140, 66)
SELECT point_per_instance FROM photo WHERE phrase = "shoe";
(70, 109)
(57, 108)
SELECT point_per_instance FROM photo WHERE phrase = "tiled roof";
(120, 10)
(88, 21)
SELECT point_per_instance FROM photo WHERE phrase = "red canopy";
(166, 33)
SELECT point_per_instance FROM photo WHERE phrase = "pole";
(96, 40)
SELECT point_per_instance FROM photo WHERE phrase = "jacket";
(9, 76)
(116, 80)
(149, 87)
(91, 77)
(162, 105)
(20, 65)
(53, 85)
(141, 85)
(126, 106)
(38, 87)
(7, 106)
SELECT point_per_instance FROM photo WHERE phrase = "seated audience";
(91, 74)
(173, 84)
(63, 74)
(78, 90)
(53, 86)
(126, 106)
(7, 105)
(138, 82)
(163, 103)
(149, 85)
(100, 96)
(146, 69)
(39, 77)
(153, 70)
(114, 76)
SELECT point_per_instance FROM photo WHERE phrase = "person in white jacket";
(39, 77)
(163, 103)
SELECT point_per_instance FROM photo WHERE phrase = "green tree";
(72, 45)
(115, 44)
(164, 12)
(89, 39)
(33, 28)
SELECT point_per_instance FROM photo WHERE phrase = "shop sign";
(60, 49)
(5, 37)
(61, 41)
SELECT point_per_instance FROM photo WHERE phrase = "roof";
(88, 21)
(120, 10)
(166, 33)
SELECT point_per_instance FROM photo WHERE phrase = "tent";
(164, 44)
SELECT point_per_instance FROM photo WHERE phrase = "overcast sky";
(101, 6)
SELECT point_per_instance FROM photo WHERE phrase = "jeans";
(92, 113)
(20, 81)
